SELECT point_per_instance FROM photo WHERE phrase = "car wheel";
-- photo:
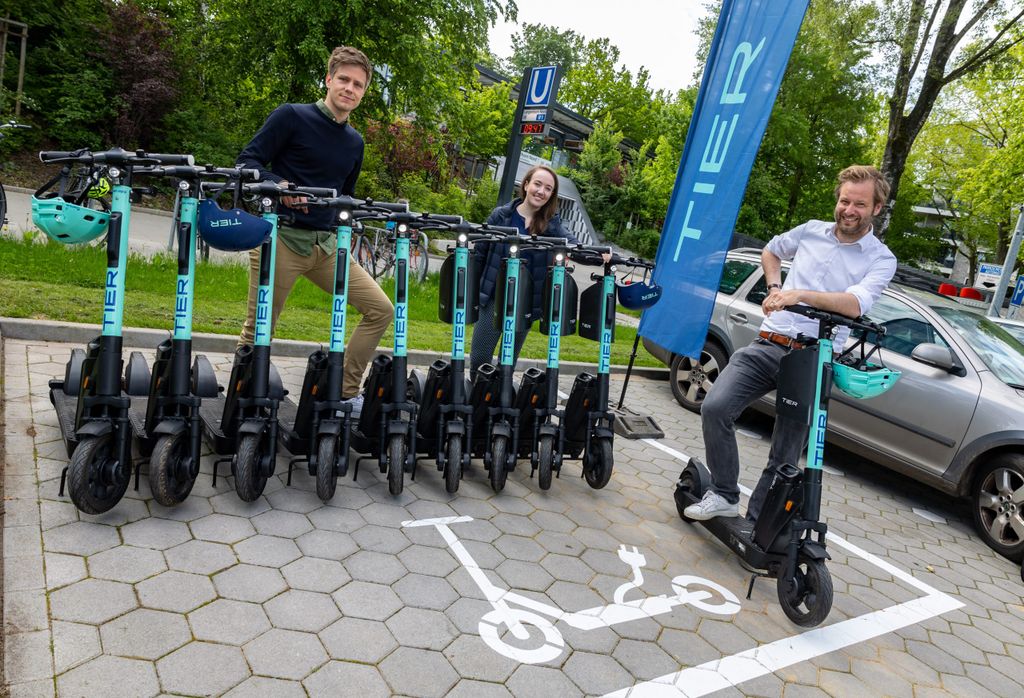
(691, 380)
(998, 512)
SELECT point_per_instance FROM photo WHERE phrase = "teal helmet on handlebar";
(66, 222)
(234, 230)
(863, 380)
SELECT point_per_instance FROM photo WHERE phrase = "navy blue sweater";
(301, 144)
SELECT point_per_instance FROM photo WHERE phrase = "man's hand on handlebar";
(778, 299)
(296, 202)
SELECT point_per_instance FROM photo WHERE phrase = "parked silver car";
(955, 419)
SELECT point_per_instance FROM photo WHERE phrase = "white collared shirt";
(820, 262)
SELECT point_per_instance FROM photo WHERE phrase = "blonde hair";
(865, 173)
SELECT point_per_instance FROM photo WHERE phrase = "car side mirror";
(938, 357)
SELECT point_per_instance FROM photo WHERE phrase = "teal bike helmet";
(863, 380)
(62, 217)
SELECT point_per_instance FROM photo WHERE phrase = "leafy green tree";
(479, 119)
(541, 44)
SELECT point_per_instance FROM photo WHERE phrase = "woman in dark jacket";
(534, 213)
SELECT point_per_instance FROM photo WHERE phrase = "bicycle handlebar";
(858, 323)
(274, 189)
(201, 172)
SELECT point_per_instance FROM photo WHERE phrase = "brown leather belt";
(780, 339)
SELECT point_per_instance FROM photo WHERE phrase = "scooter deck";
(286, 436)
(210, 411)
(137, 418)
(65, 405)
(737, 532)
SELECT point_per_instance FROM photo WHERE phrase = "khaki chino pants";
(363, 294)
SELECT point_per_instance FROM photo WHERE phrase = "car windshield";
(1001, 351)
(1016, 330)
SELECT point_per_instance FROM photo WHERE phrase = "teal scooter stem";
(92, 409)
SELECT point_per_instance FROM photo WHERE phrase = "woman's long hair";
(543, 216)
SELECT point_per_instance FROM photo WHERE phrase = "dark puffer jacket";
(491, 256)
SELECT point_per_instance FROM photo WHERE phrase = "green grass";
(48, 281)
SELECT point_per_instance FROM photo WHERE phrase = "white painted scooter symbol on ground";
(513, 611)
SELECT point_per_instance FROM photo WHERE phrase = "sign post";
(1009, 264)
(532, 118)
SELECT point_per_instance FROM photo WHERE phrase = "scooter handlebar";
(858, 323)
(115, 157)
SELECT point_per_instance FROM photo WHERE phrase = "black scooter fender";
(169, 427)
(329, 427)
(547, 429)
(95, 427)
(814, 550)
(252, 426)
(502, 429)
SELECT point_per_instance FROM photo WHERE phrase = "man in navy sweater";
(313, 145)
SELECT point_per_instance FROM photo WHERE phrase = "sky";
(658, 34)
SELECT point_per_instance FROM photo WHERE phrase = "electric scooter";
(166, 421)
(243, 423)
(787, 542)
(446, 418)
(588, 421)
(317, 429)
(91, 407)
(387, 424)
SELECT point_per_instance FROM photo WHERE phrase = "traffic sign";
(540, 90)
(1018, 292)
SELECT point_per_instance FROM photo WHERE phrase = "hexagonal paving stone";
(330, 545)
(62, 570)
(229, 503)
(73, 643)
(335, 519)
(200, 557)
(417, 627)
(285, 654)
(191, 509)
(80, 538)
(92, 601)
(263, 687)
(519, 548)
(159, 534)
(468, 688)
(381, 539)
(596, 674)
(202, 668)
(433, 561)
(144, 634)
(249, 583)
(369, 566)
(475, 660)
(302, 610)
(230, 622)
(358, 640)
(268, 551)
(134, 677)
(366, 600)
(126, 564)
(531, 680)
(417, 672)
(284, 524)
(222, 528)
(176, 591)
(524, 575)
(293, 499)
(315, 574)
(423, 591)
(357, 679)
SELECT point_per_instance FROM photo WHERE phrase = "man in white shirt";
(840, 267)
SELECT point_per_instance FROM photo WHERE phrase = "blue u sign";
(540, 87)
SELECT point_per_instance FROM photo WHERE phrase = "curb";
(78, 333)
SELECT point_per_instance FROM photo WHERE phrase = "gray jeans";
(486, 336)
(752, 372)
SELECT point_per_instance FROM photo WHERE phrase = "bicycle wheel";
(363, 251)
(383, 255)
(419, 262)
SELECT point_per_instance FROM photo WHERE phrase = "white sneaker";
(357, 404)
(712, 505)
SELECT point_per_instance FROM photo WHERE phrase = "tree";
(541, 44)
(930, 49)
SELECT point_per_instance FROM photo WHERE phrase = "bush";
(643, 241)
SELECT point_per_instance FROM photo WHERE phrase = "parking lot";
(376, 595)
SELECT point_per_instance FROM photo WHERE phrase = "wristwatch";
(778, 286)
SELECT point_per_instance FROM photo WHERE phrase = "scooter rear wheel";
(545, 461)
(599, 470)
(92, 484)
(396, 464)
(499, 454)
(806, 599)
(453, 464)
(326, 456)
(249, 483)
(165, 470)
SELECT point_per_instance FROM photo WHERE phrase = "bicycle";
(3, 195)
(362, 251)
(383, 253)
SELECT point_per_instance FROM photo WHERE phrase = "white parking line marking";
(768, 658)
(929, 516)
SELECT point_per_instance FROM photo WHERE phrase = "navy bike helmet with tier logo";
(232, 230)
(637, 295)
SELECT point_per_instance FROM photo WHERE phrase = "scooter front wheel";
(168, 470)
(396, 464)
(598, 468)
(545, 461)
(499, 456)
(806, 598)
(249, 483)
(453, 464)
(326, 457)
(96, 481)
